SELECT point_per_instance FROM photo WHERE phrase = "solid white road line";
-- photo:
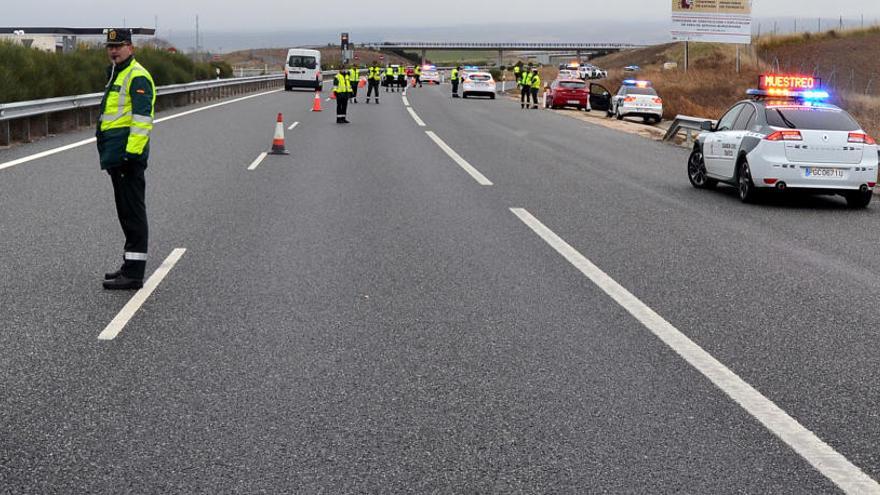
(415, 117)
(480, 178)
(84, 142)
(405, 101)
(256, 163)
(43, 154)
(825, 459)
(292, 126)
(135, 303)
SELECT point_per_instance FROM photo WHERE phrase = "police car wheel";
(747, 191)
(697, 171)
(858, 199)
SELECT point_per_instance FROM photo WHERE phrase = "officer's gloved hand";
(131, 158)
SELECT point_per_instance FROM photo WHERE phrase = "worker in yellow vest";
(401, 77)
(353, 79)
(417, 73)
(536, 87)
(389, 79)
(455, 78)
(123, 139)
(373, 78)
(517, 73)
(525, 87)
(341, 90)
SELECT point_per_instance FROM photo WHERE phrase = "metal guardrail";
(24, 121)
(22, 109)
(687, 124)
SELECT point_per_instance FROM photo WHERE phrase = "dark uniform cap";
(116, 37)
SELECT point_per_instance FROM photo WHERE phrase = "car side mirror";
(706, 125)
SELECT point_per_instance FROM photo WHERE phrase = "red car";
(568, 93)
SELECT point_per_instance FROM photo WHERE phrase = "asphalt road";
(362, 316)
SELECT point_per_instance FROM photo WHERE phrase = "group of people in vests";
(529, 82)
(346, 82)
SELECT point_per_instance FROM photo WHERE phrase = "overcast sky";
(252, 15)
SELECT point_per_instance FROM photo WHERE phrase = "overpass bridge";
(577, 48)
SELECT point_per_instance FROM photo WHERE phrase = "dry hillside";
(712, 84)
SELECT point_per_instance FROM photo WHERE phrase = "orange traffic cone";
(362, 83)
(413, 82)
(316, 105)
(332, 96)
(278, 147)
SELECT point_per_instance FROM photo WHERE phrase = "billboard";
(717, 21)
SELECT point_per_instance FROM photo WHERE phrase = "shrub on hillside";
(28, 74)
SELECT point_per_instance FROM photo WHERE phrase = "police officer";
(389, 79)
(373, 78)
(517, 72)
(401, 77)
(123, 137)
(353, 80)
(455, 79)
(536, 87)
(417, 72)
(342, 89)
(525, 88)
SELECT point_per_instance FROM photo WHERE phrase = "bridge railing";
(502, 46)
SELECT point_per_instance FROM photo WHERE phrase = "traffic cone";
(362, 83)
(413, 82)
(316, 104)
(278, 142)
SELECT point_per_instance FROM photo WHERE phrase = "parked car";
(478, 84)
(637, 99)
(430, 74)
(567, 92)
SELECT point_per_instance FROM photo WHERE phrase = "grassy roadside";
(28, 74)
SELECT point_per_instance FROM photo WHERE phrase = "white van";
(302, 69)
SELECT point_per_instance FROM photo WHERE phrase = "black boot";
(123, 283)
(113, 275)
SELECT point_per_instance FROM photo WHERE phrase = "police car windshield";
(302, 62)
(635, 90)
(811, 118)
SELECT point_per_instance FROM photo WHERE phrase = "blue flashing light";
(813, 95)
(637, 83)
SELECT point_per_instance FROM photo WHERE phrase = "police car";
(636, 99)
(430, 74)
(785, 136)
(478, 84)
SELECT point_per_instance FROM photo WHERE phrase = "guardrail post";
(689, 139)
(5, 134)
(21, 130)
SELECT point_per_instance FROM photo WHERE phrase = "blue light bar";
(784, 93)
(636, 82)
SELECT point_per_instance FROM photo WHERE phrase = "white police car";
(786, 137)
(636, 99)
(478, 84)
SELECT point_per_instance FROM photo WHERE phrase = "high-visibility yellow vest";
(526, 79)
(375, 73)
(536, 81)
(341, 84)
(353, 76)
(389, 71)
(117, 112)
(418, 71)
(454, 74)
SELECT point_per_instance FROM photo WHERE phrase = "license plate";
(824, 173)
(573, 102)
